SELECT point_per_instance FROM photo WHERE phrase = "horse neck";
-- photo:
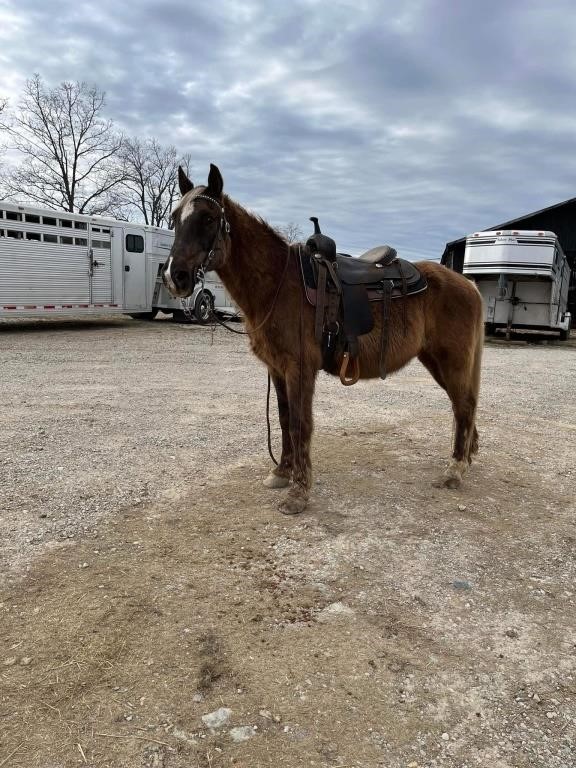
(255, 263)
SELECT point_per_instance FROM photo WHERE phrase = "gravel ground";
(392, 624)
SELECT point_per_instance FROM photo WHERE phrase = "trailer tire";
(564, 335)
(204, 307)
(144, 315)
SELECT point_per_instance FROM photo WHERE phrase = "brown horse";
(443, 326)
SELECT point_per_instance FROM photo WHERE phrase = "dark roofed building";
(559, 218)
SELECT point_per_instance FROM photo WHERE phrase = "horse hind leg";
(461, 384)
(465, 438)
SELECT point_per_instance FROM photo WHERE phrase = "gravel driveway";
(148, 580)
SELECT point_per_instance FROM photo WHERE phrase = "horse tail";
(475, 374)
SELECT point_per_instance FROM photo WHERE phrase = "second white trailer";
(523, 276)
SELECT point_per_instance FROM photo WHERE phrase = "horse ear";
(215, 181)
(183, 181)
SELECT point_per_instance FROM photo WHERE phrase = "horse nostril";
(181, 277)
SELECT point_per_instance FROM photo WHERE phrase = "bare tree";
(291, 232)
(68, 149)
(150, 180)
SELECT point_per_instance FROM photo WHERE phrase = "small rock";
(266, 714)
(551, 715)
(462, 507)
(181, 735)
(197, 698)
(10, 661)
(335, 610)
(218, 718)
(465, 585)
(242, 733)
(536, 698)
(83, 565)
(445, 736)
(512, 633)
(25, 660)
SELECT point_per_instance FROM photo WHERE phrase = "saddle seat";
(378, 265)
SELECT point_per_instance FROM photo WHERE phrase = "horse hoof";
(293, 504)
(448, 481)
(276, 481)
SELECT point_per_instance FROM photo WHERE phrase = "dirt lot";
(158, 612)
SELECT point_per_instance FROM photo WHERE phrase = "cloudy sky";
(409, 123)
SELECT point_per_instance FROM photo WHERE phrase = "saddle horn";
(314, 220)
(320, 244)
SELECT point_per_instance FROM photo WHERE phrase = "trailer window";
(106, 231)
(80, 225)
(95, 229)
(66, 240)
(33, 236)
(49, 221)
(135, 243)
(65, 223)
(50, 238)
(101, 244)
(15, 234)
(13, 216)
(32, 218)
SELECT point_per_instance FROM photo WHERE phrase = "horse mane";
(269, 230)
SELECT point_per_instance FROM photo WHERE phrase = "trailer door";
(100, 265)
(134, 264)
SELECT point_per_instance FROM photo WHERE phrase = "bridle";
(222, 232)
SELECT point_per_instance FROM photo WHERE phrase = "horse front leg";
(280, 475)
(300, 391)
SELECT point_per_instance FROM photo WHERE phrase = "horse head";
(201, 233)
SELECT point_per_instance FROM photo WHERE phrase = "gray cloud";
(404, 123)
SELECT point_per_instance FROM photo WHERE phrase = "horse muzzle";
(180, 282)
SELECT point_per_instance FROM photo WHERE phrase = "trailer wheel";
(203, 307)
(564, 335)
(144, 315)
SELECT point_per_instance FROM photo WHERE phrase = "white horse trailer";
(57, 263)
(523, 277)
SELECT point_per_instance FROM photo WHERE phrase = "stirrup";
(346, 362)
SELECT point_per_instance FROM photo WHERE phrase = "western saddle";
(342, 288)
